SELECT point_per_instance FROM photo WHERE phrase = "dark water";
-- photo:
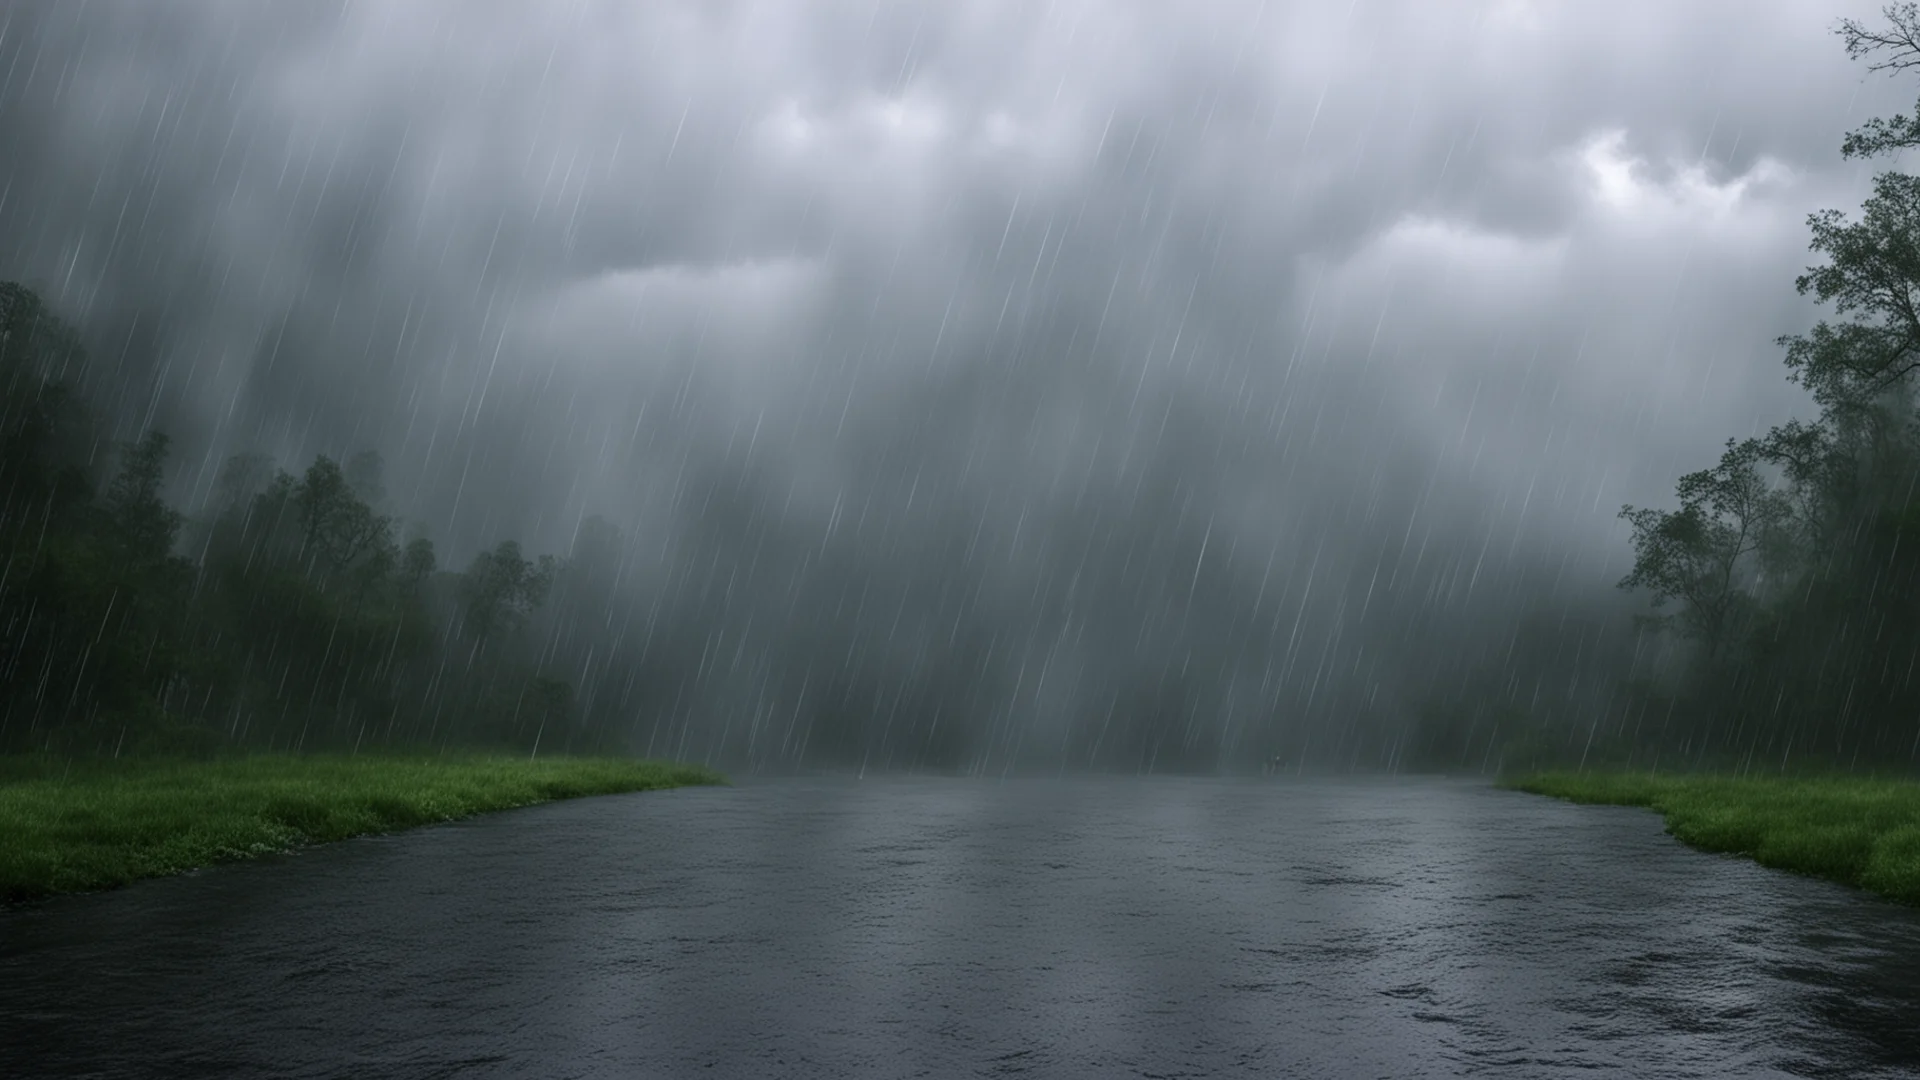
(934, 927)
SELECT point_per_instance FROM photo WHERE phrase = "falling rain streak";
(897, 389)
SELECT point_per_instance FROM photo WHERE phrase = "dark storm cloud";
(1039, 364)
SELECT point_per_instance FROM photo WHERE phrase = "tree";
(338, 528)
(39, 419)
(1873, 273)
(1899, 47)
(304, 625)
(501, 587)
(1817, 578)
(140, 519)
(138, 587)
(417, 563)
(1874, 263)
(1708, 552)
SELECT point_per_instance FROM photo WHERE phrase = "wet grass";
(67, 827)
(1863, 832)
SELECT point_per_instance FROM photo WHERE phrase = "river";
(936, 927)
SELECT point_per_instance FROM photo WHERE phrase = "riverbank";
(1860, 832)
(73, 827)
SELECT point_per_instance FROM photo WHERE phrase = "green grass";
(74, 827)
(1861, 832)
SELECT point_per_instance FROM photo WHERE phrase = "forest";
(292, 615)
(1782, 590)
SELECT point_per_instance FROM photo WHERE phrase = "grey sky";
(1268, 332)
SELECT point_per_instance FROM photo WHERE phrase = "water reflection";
(1092, 927)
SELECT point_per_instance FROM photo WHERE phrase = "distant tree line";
(291, 614)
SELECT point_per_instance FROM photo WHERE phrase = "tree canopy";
(286, 614)
(1793, 565)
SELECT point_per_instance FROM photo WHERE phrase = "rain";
(988, 391)
(1228, 383)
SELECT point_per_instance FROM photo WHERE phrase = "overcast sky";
(1281, 314)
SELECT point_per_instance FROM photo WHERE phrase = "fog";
(972, 386)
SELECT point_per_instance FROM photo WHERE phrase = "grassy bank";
(72, 827)
(1862, 832)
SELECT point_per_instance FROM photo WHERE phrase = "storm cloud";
(971, 382)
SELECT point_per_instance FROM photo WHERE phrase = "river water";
(917, 927)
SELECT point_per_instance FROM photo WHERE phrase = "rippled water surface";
(941, 927)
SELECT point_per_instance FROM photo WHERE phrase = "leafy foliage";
(1715, 549)
(501, 588)
(1872, 272)
(1794, 564)
(298, 620)
(1896, 47)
